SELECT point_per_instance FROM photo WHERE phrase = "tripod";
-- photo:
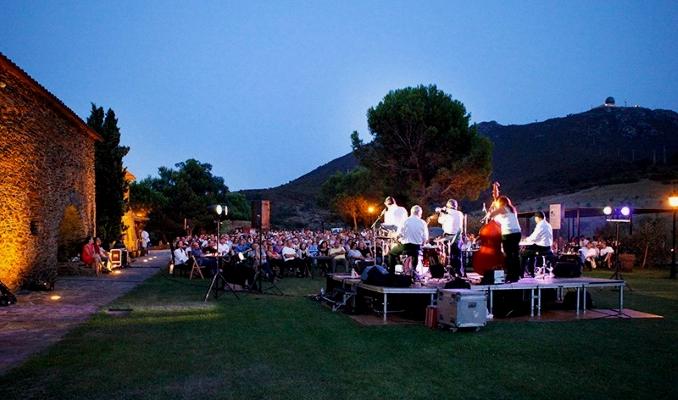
(219, 283)
(259, 286)
(218, 277)
(616, 263)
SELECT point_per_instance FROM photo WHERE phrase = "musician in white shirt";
(394, 214)
(413, 235)
(538, 244)
(452, 221)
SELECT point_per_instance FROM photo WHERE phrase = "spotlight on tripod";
(218, 280)
(618, 216)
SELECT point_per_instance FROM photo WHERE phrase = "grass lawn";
(175, 346)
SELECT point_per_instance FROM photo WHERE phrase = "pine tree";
(110, 174)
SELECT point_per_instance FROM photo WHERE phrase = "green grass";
(175, 346)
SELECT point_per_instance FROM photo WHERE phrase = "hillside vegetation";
(590, 150)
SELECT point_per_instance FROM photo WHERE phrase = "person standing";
(414, 234)
(506, 215)
(452, 221)
(145, 241)
(394, 214)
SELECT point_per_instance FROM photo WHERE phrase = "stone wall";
(46, 164)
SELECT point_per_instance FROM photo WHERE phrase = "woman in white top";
(506, 215)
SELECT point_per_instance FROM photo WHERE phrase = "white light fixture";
(607, 210)
(625, 211)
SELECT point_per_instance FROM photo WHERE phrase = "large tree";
(185, 194)
(423, 149)
(110, 174)
(352, 195)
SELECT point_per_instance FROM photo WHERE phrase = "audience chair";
(195, 268)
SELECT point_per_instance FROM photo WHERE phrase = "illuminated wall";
(46, 165)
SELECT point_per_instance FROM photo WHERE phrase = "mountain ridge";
(602, 146)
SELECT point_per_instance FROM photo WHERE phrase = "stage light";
(673, 200)
(625, 211)
(219, 209)
(117, 272)
(55, 297)
(607, 210)
(370, 210)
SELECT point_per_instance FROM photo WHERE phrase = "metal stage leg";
(584, 299)
(539, 301)
(531, 303)
(621, 299)
(577, 300)
(385, 306)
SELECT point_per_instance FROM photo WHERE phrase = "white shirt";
(287, 251)
(223, 248)
(508, 222)
(542, 235)
(180, 256)
(415, 231)
(452, 221)
(145, 238)
(606, 250)
(395, 215)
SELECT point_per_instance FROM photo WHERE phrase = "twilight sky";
(266, 91)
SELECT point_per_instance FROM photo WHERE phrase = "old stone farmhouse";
(46, 177)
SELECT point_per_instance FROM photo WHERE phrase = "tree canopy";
(423, 149)
(110, 174)
(351, 195)
(184, 194)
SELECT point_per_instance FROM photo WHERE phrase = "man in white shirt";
(394, 214)
(452, 221)
(180, 257)
(413, 235)
(538, 244)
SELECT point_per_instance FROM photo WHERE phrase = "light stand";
(219, 282)
(374, 240)
(621, 216)
(260, 285)
(673, 202)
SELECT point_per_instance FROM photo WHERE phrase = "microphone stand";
(374, 238)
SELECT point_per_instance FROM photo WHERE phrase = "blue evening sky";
(266, 91)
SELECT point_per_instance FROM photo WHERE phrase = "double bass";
(489, 256)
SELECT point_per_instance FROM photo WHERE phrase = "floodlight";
(218, 209)
(625, 211)
(607, 210)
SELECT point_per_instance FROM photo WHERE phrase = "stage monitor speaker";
(567, 269)
(261, 214)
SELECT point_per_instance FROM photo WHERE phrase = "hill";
(605, 145)
(294, 203)
(602, 146)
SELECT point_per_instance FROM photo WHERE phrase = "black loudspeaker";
(437, 271)
(6, 296)
(567, 269)
(261, 214)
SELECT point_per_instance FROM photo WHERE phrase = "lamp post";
(673, 202)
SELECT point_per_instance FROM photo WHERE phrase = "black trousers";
(408, 249)
(531, 257)
(511, 246)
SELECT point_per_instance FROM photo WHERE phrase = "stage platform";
(581, 285)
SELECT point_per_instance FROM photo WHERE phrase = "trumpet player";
(452, 221)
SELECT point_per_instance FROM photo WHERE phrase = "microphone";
(382, 212)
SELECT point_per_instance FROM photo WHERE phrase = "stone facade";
(46, 165)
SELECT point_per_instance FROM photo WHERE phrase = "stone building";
(46, 177)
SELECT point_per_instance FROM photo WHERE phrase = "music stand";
(218, 278)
